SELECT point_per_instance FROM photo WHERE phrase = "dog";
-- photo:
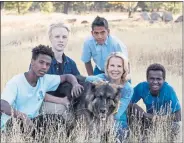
(95, 106)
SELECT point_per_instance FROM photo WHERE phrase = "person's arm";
(86, 56)
(57, 100)
(77, 88)
(126, 95)
(89, 68)
(137, 93)
(8, 110)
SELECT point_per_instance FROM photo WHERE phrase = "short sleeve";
(51, 82)
(137, 93)
(86, 53)
(175, 105)
(9, 94)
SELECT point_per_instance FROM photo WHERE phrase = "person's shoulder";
(70, 60)
(128, 85)
(167, 86)
(143, 84)
(114, 39)
(89, 39)
(16, 79)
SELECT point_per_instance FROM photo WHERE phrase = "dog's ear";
(117, 89)
(90, 91)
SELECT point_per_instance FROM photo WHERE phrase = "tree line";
(79, 7)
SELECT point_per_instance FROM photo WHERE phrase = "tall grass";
(146, 44)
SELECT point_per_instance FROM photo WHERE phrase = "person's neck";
(31, 77)
(58, 56)
(117, 82)
(154, 93)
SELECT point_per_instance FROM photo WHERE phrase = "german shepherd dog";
(95, 105)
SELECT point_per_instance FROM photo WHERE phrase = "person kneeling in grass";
(24, 93)
(159, 97)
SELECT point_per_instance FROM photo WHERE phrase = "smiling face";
(100, 34)
(115, 69)
(59, 38)
(41, 65)
(155, 80)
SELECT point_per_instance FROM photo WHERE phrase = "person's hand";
(77, 89)
(28, 123)
(65, 101)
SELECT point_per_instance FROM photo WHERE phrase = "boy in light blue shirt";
(25, 92)
(99, 46)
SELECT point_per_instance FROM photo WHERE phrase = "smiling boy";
(158, 96)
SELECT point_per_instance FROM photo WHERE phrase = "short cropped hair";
(100, 21)
(42, 49)
(156, 67)
(56, 25)
(125, 77)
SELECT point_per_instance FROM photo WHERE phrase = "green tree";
(59, 6)
(154, 5)
(46, 7)
(174, 7)
(21, 7)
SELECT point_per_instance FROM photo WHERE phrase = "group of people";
(28, 94)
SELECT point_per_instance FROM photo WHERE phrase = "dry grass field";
(147, 43)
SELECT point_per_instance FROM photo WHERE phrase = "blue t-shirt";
(126, 95)
(166, 102)
(99, 53)
(25, 98)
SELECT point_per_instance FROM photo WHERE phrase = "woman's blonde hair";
(126, 74)
(56, 25)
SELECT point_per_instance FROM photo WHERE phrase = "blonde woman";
(117, 71)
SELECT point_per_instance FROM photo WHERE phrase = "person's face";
(41, 65)
(115, 69)
(155, 80)
(59, 39)
(100, 34)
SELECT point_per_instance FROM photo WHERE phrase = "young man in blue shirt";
(99, 46)
(61, 64)
(24, 93)
(158, 96)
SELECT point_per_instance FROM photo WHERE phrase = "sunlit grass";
(146, 44)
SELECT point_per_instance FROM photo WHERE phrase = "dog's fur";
(95, 105)
(98, 100)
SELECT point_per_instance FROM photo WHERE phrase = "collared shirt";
(99, 53)
(165, 101)
(126, 95)
(25, 98)
(68, 66)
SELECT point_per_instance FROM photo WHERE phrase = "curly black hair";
(156, 67)
(42, 49)
(100, 21)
